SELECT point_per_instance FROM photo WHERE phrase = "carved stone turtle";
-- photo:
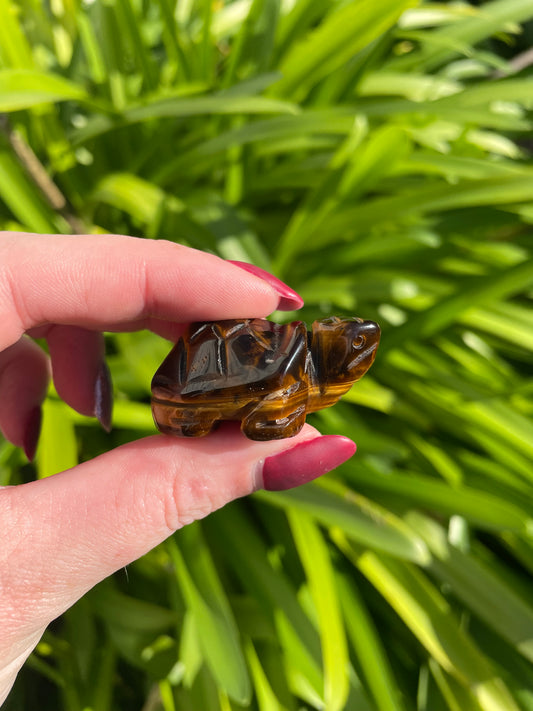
(267, 375)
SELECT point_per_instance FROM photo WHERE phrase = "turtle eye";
(358, 342)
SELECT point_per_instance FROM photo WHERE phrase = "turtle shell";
(232, 360)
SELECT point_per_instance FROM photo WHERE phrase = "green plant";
(374, 155)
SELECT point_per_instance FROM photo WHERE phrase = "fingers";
(108, 282)
(71, 530)
(24, 377)
(80, 374)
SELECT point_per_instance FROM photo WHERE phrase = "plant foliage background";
(376, 155)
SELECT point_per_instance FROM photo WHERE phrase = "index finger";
(105, 282)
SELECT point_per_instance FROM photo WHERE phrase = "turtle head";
(344, 349)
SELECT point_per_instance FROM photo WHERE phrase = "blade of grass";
(485, 592)
(440, 109)
(263, 132)
(114, 53)
(23, 198)
(190, 650)
(103, 680)
(509, 321)
(252, 46)
(482, 509)
(321, 577)
(139, 198)
(172, 40)
(58, 449)
(217, 630)
(457, 697)
(132, 614)
(247, 555)
(206, 105)
(356, 168)
(15, 50)
(24, 88)
(129, 22)
(369, 648)
(491, 18)
(91, 48)
(431, 620)
(266, 697)
(333, 504)
(480, 291)
(489, 191)
(346, 31)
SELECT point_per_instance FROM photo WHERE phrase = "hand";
(63, 534)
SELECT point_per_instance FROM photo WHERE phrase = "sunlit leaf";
(22, 89)
(58, 449)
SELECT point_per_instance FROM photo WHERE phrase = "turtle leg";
(200, 429)
(255, 426)
(185, 422)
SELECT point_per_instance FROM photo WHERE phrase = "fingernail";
(32, 432)
(103, 397)
(289, 299)
(306, 461)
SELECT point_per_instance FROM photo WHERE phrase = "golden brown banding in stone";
(267, 375)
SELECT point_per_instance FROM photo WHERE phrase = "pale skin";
(69, 289)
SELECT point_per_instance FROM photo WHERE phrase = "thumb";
(71, 530)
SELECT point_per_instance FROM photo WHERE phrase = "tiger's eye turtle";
(267, 375)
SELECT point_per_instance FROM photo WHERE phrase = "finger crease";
(144, 286)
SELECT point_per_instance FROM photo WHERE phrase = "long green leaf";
(335, 505)
(23, 199)
(479, 507)
(58, 449)
(484, 591)
(248, 557)
(481, 291)
(216, 626)
(320, 574)
(491, 18)
(370, 649)
(345, 32)
(24, 88)
(162, 107)
(15, 49)
(490, 191)
(430, 618)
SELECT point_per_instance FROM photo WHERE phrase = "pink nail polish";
(289, 298)
(306, 461)
(32, 432)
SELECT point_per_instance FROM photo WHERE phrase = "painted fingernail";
(306, 461)
(103, 397)
(32, 432)
(289, 299)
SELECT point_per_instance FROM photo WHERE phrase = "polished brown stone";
(267, 375)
